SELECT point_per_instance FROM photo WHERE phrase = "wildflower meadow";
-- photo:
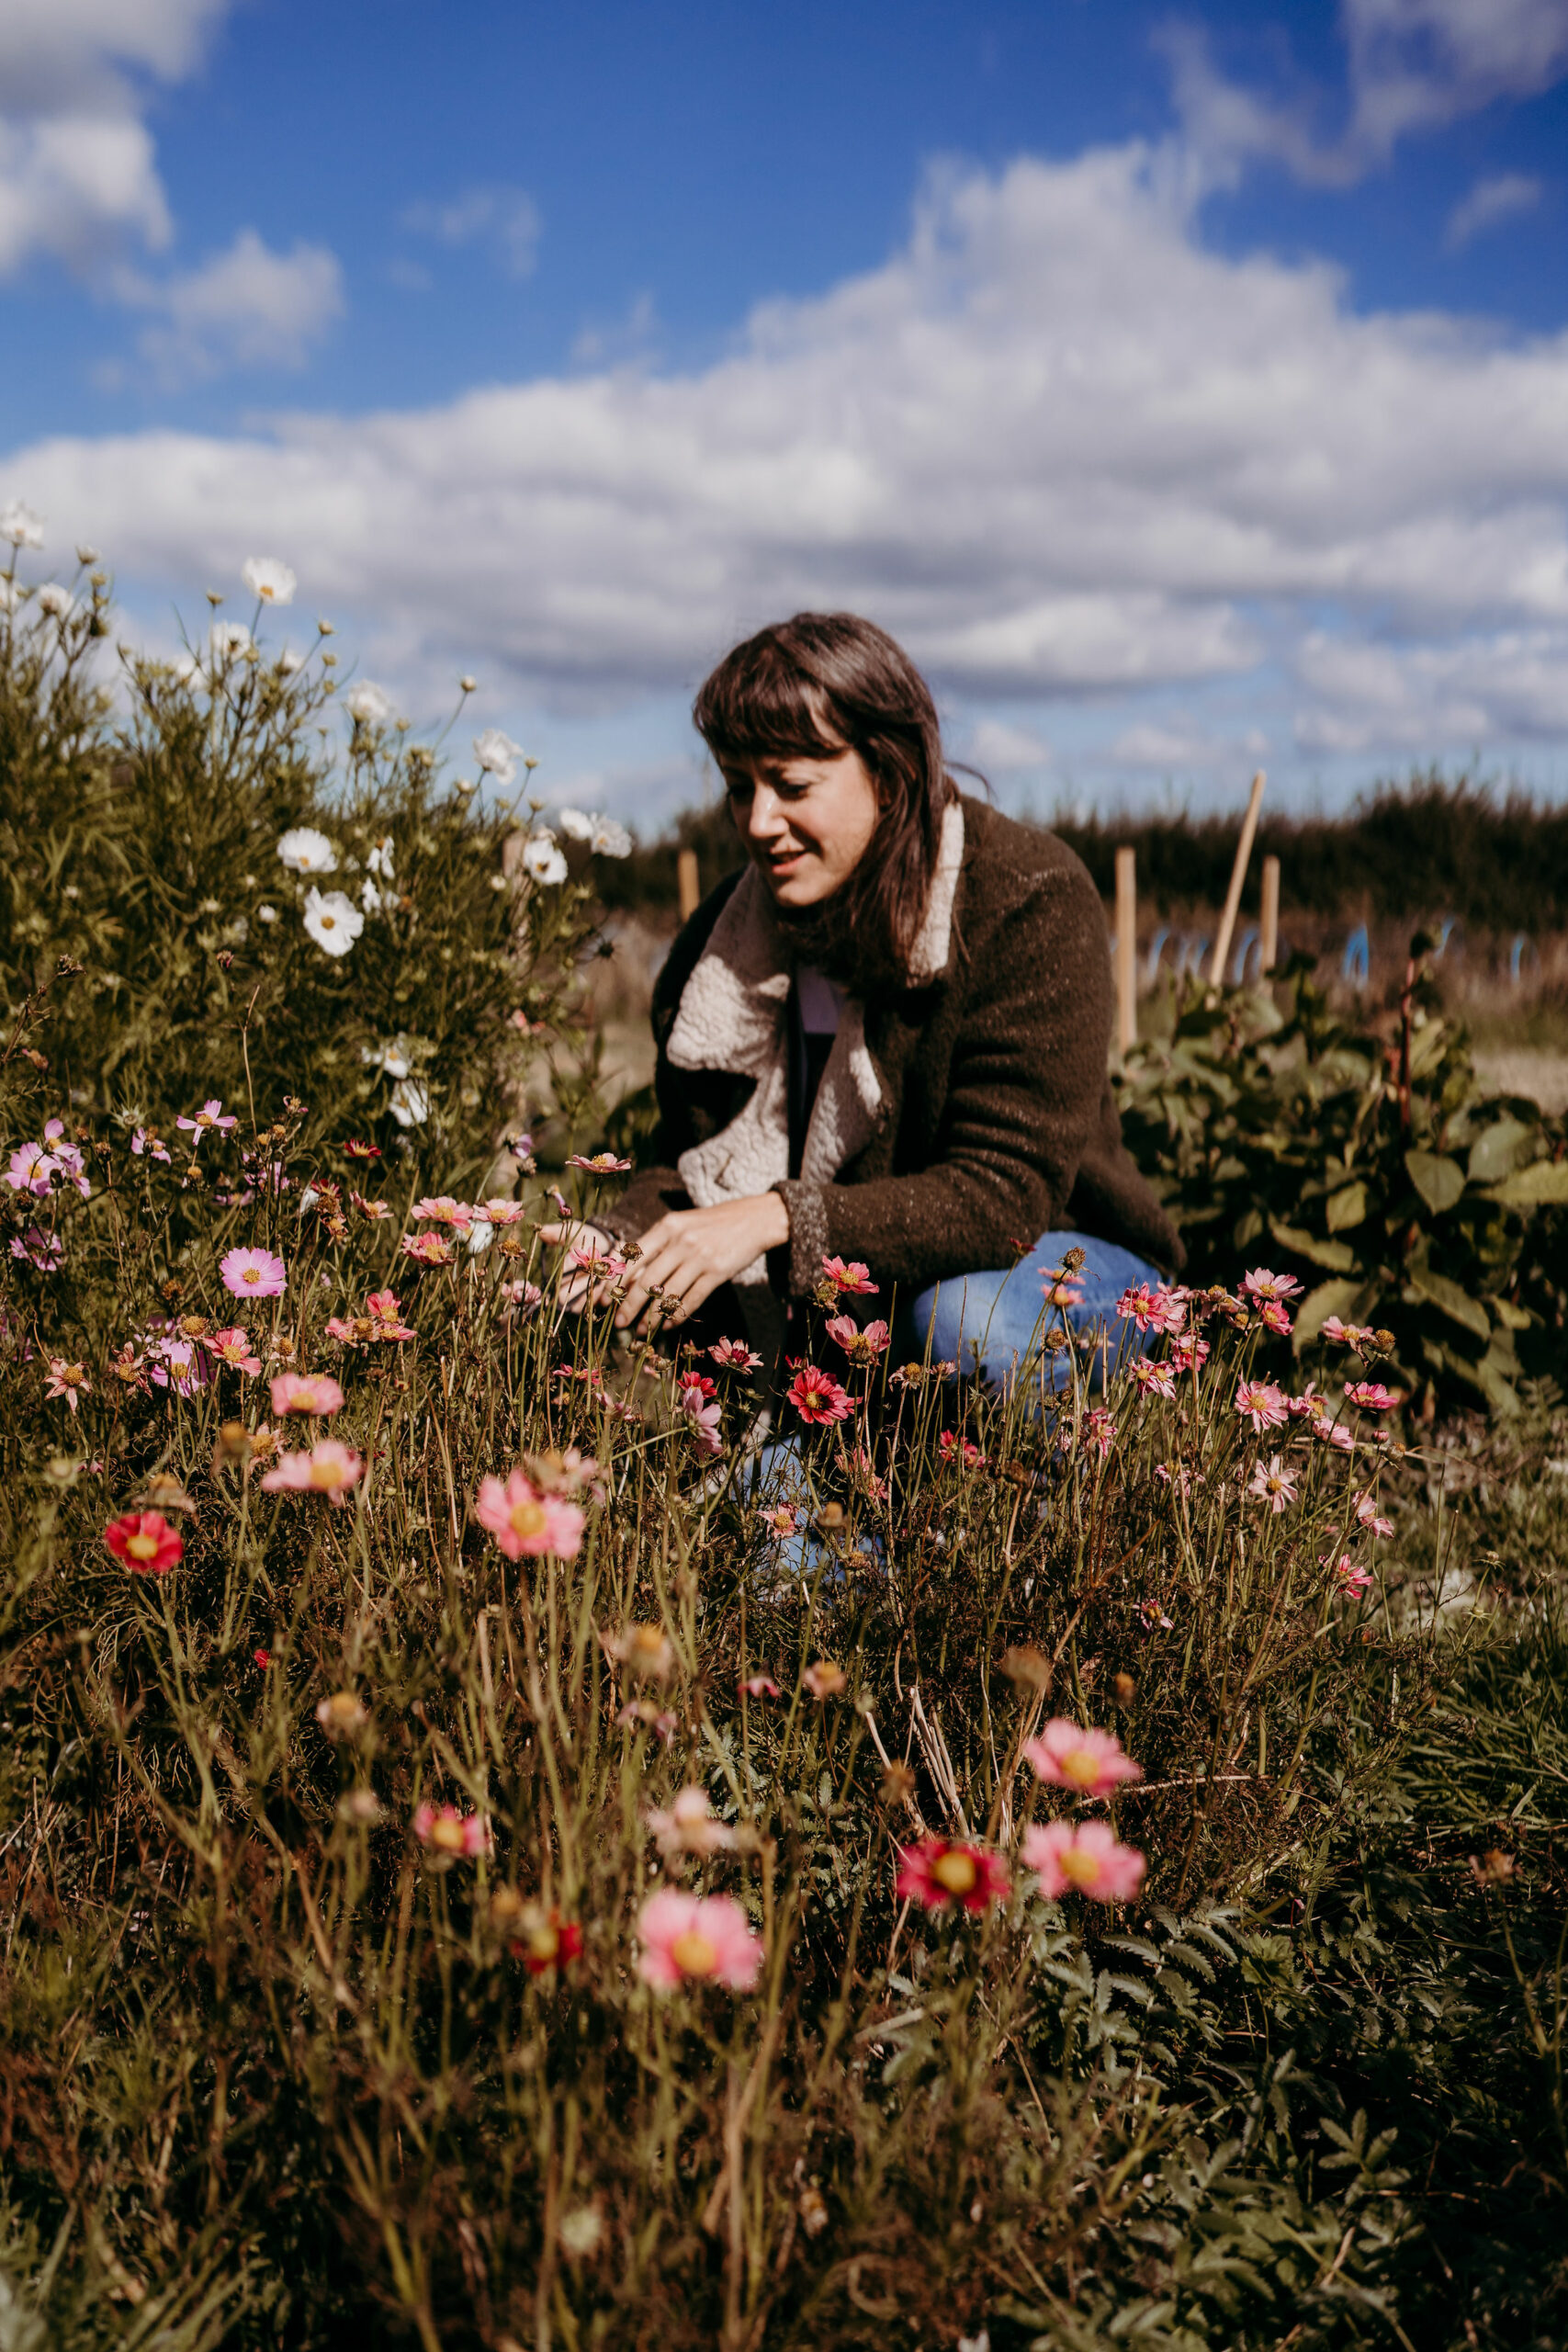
(494, 1856)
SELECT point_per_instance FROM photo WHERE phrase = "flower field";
(490, 1860)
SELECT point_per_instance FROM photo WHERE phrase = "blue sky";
(1187, 386)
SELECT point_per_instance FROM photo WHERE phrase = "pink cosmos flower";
(37, 1248)
(689, 1827)
(429, 1249)
(734, 1355)
(782, 1520)
(602, 1163)
(253, 1273)
(1187, 1353)
(66, 1379)
(445, 1210)
(1373, 1395)
(1274, 1485)
(305, 1392)
(953, 1450)
(760, 1686)
(1262, 1285)
(1353, 1579)
(1083, 1856)
(1367, 1514)
(1335, 1433)
(232, 1347)
(1275, 1317)
(451, 1832)
(1161, 1306)
(520, 1297)
(502, 1211)
(1154, 1379)
(1174, 1474)
(30, 1169)
(329, 1469)
(211, 1115)
(1309, 1406)
(705, 1937)
(589, 1256)
(524, 1519)
(852, 1277)
(703, 1414)
(941, 1871)
(148, 1140)
(1099, 1432)
(1358, 1336)
(1091, 1762)
(1261, 1403)
(861, 1347)
(67, 1158)
(1061, 1291)
(817, 1396)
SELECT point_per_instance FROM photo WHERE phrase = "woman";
(886, 1037)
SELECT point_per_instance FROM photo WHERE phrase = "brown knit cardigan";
(969, 1113)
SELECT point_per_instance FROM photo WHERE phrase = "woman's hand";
(690, 1252)
(580, 1234)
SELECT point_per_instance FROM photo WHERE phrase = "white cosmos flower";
(409, 1105)
(334, 921)
(394, 1058)
(497, 752)
(305, 850)
(21, 526)
(543, 860)
(187, 669)
(227, 640)
(58, 603)
(379, 857)
(370, 898)
(482, 1233)
(369, 704)
(86, 556)
(576, 826)
(289, 662)
(610, 839)
(266, 578)
(266, 914)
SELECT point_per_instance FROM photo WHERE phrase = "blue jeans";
(988, 1323)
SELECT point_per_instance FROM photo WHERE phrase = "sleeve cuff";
(806, 1208)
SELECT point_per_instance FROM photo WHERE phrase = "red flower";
(547, 1940)
(263, 1658)
(938, 1871)
(817, 1396)
(145, 1541)
(354, 1149)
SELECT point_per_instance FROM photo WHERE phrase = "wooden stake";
(1239, 875)
(1269, 938)
(687, 883)
(1126, 950)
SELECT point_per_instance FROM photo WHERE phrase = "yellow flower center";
(955, 1872)
(250, 1274)
(527, 1519)
(1081, 1767)
(143, 1546)
(324, 1475)
(545, 1942)
(1081, 1867)
(448, 1836)
(692, 1954)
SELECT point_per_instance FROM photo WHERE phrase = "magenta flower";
(1154, 1379)
(951, 1449)
(253, 1273)
(1369, 1517)
(861, 1347)
(211, 1115)
(1083, 1856)
(1275, 1317)
(329, 1469)
(148, 1140)
(702, 1413)
(30, 1169)
(1261, 1403)
(1091, 1762)
(852, 1277)
(523, 1520)
(1372, 1395)
(1261, 1286)
(1161, 1306)
(940, 1871)
(451, 1832)
(589, 1256)
(305, 1392)
(65, 1379)
(1358, 1336)
(817, 1396)
(734, 1355)
(1099, 1432)
(702, 1937)
(37, 1248)
(1274, 1485)
(1353, 1579)
(1187, 1353)
(232, 1347)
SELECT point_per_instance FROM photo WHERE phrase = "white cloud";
(1185, 745)
(505, 219)
(248, 306)
(77, 175)
(1053, 443)
(1412, 65)
(1491, 200)
(998, 748)
(1508, 685)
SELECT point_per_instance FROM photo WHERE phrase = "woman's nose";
(766, 820)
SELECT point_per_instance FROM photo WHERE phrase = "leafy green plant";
(1376, 1170)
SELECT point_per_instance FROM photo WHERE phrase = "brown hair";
(831, 682)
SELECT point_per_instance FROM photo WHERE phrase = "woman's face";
(806, 824)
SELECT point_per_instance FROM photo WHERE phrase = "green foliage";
(143, 901)
(1378, 1172)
